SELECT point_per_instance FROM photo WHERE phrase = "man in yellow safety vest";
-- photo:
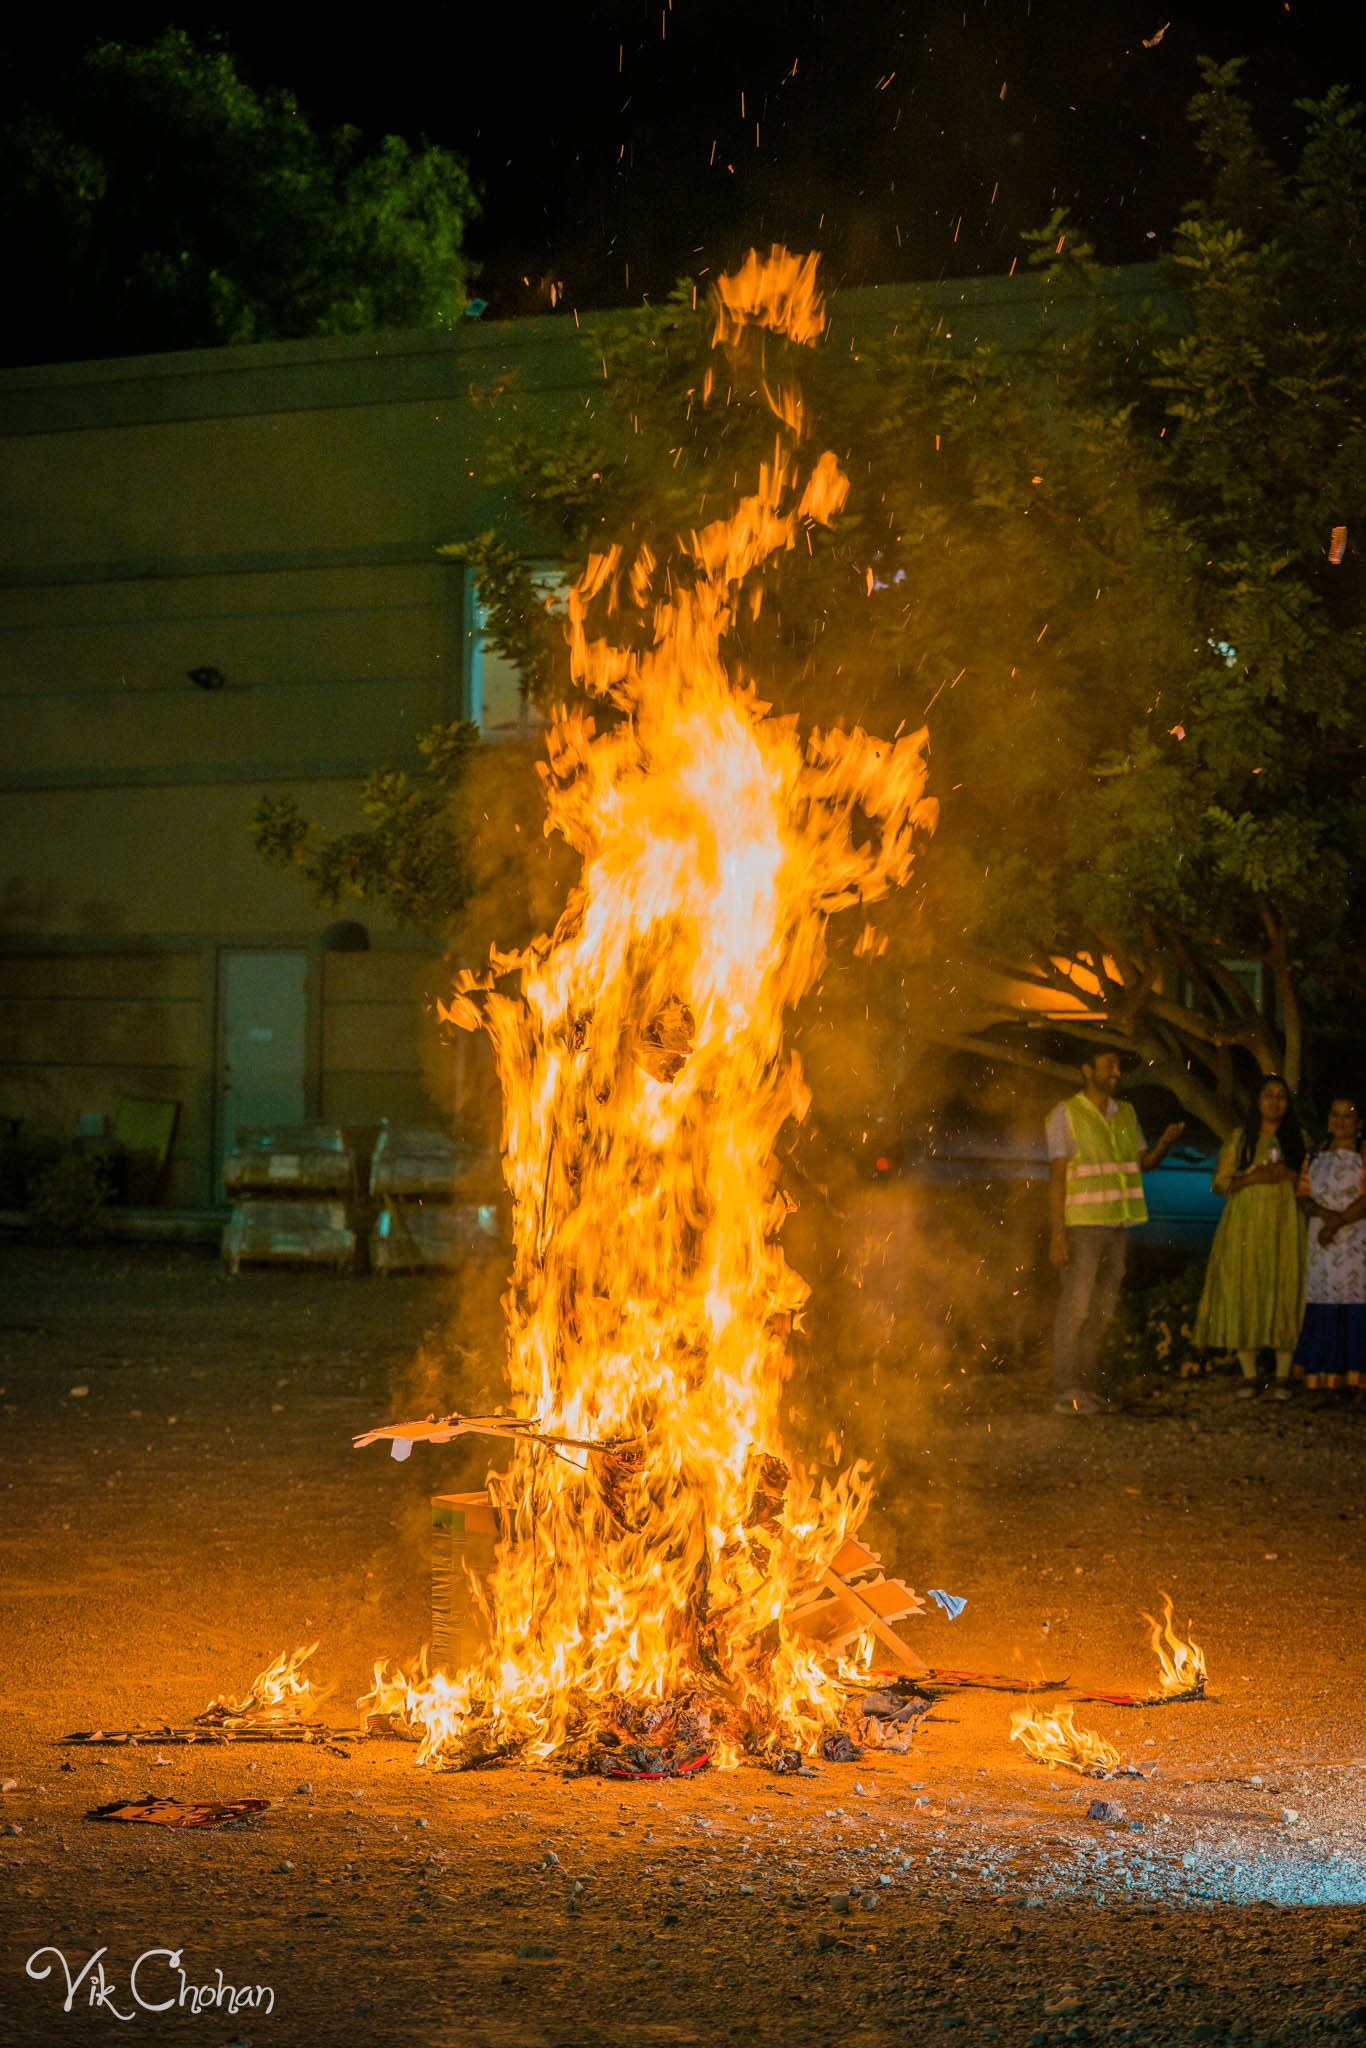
(1096, 1163)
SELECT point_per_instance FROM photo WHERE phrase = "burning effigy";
(665, 1579)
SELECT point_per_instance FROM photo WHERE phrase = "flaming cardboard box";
(463, 1539)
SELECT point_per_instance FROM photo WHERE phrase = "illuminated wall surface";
(271, 513)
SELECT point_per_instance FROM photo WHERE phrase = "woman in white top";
(1331, 1350)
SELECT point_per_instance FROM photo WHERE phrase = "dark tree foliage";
(1119, 576)
(152, 198)
(410, 853)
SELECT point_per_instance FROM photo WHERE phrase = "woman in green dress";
(1253, 1296)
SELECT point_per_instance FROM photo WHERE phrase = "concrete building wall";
(271, 517)
(81, 1032)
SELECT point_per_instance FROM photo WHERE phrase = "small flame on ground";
(1182, 1663)
(279, 1693)
(1056, 1739)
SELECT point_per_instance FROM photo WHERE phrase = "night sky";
(620, 144)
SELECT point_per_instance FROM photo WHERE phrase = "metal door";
(262, 1043)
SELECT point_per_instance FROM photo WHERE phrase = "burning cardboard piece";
(401, 1436)
(276, 1707)
(1054, 1738)
(1180, 1661)
(1181, 1665)
(278, 1695)
(853, 1599)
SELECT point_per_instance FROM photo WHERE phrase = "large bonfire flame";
(646, 1574)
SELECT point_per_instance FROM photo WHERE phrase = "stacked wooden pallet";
(428, 1211)
(294, 1190)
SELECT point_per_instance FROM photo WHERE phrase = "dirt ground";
(181, 1501)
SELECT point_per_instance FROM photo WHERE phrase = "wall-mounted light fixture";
(346, 936)
(207, 677)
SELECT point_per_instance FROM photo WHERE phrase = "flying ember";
(660, 1559)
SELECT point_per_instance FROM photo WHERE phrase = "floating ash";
(1056, 1739)
(645, 1081)
(1182, 1663)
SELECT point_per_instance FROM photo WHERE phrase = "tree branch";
(1009, 1055)
(1283, 974)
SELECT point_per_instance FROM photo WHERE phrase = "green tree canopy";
(1117, 572)
(152, 198)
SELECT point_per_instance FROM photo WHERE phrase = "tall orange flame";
(1182, 1663)
(645, 1083)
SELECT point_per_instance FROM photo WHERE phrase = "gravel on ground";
(181, 1502)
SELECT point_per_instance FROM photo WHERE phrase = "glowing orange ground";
(151, 1565)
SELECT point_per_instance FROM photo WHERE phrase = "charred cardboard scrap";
(308, 1734)
(179, 1813)
(662, 1739)
(885, 1719)
(937, 1678)
(986, 1681)
(637, 1760)
(1147, 1699)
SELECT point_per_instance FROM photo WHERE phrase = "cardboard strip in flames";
(195, 1734)
(852, 1598)
(401, 1436)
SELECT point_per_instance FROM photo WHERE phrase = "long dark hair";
(1325, 1143)
(1289, 1136)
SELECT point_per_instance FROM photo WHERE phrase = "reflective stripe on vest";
(1104, 1184)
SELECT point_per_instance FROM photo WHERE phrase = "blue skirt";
(1331, 1351)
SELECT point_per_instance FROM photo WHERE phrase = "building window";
(495, 697)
